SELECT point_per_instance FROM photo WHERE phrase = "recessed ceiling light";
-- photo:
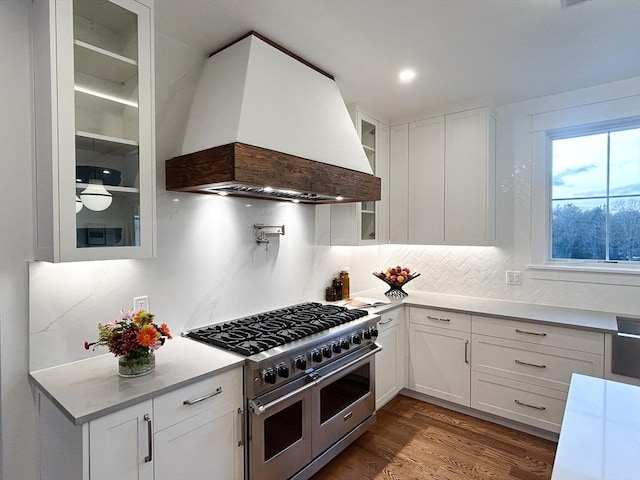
(407, 75)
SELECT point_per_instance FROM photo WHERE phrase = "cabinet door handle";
(241, 441)
(384, 322)
(204, 397)
(438, 319)
(466, 351)
(537, 334)
(530, 406)
(149, 456)
(530, 364)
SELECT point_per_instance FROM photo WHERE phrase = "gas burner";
(257, 333)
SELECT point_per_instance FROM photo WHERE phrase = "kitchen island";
(600, 435)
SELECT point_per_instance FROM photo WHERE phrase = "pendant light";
(78, 204)
(95, 197)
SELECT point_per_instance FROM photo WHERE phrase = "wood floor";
(413, 440)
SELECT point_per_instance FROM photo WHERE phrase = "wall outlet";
(141, 303)
(514, 277)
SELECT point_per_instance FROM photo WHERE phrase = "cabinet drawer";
(549, 367)
(440, 318)
(389, 319)
(540, 334)
(536, 406)
(220, 392)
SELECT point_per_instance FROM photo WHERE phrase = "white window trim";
(541, 266)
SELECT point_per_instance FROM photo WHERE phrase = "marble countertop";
(600, 433)
(567, 317)
(91, 388)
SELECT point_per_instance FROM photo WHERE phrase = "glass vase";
(136, 364)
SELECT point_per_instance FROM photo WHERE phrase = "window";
(595, 193)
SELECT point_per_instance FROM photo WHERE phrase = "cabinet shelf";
(368, 148)
(104, 143)
(103, 64)
(112, 188)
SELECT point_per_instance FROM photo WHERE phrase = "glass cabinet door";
(368, 209)
(107, 149)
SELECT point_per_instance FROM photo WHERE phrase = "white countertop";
(562, 316)
(91, 388)
(600, 435)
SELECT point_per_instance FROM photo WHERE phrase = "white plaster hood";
(255, 93)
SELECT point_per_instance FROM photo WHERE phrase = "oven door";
(280, 432)
(343, 398)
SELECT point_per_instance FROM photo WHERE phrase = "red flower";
(164, 329)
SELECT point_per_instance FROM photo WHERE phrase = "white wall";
(18, 431)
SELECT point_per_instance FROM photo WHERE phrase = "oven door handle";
(259, 408)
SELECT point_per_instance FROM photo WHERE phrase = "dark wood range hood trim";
(239, 163)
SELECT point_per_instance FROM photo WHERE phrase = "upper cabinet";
(95, 152)
(366, 223)
(443, 170)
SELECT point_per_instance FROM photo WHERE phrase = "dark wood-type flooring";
(413, 440)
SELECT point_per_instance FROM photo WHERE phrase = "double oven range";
(309, 384)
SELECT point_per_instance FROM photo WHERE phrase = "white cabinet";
(446, 166)
(522, 370)
(121, 444)
(366, 223)
(179, 434)
(439, 353)
(94, 104)
(198, 429)
(391, 361)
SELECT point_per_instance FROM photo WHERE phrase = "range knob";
(283, 370)
(373, 331)
(300, 362)
(316, 356)
(335, 347)
(367, 334)
(344, 344)
(355, 339)
(269, 376)
(326, 351)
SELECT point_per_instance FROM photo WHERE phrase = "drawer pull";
(438, 319)
(384, 322)
(530, 364)
(530, 406)
(149, 455)
(203, 398)
(466, 351)
(531, 333)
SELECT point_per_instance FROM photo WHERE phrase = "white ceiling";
(509, 50)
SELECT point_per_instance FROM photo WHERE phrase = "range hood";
(266, 123)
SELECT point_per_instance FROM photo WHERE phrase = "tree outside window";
(595, 195)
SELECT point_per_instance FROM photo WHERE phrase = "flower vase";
(137, 363)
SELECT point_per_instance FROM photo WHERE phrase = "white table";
(600, 435)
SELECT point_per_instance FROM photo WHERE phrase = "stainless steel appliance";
(309, 384)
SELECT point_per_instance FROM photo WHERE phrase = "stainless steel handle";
(149, 457)
(529, 364)
(203, 398)
(538, 334)
(438, 319)
(259, 408)
(466, 351)
(384, 322)
(529, 405)
(241, 441)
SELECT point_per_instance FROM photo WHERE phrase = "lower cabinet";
(439, 354)
(391, 361)
(180, 434)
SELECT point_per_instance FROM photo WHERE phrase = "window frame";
(615, 113)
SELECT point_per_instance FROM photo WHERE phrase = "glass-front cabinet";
(366, 223)
(95, 168)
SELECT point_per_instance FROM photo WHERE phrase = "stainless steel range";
(309, 384)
